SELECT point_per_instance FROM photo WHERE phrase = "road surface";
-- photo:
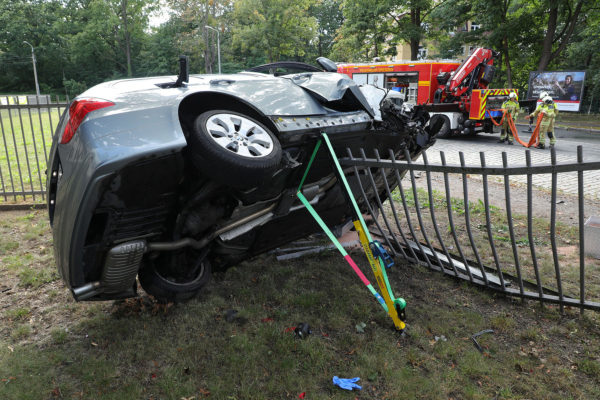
(566, 151)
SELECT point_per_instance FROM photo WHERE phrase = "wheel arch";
(195, 104)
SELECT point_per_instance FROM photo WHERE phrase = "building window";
(475, 26)
(422, 53)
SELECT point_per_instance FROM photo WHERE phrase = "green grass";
(24, 145)
(26, 249)
(53, 347)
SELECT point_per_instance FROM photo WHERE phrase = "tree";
(565, 13)
(329, 17)
(395, 20)
(196, 15)
(277, 28)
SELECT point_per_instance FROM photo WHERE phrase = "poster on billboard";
(565, 87)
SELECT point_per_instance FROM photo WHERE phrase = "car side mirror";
(327, 64)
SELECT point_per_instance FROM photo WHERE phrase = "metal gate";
(479, 235)
(27, 124)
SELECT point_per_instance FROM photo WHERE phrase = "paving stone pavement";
(566, 152)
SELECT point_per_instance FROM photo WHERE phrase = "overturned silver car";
(168, 178)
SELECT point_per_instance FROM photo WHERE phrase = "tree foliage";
(79, 43)
(276, 28)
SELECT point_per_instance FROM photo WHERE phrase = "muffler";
(119, 272)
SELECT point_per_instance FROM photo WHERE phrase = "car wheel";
(234, 149)
(175, 276)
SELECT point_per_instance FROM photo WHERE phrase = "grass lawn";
(26, 137)
(53, 347)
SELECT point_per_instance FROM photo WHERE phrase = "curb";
(21, 206)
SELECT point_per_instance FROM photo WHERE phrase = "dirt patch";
(33, 301)
(568, 251)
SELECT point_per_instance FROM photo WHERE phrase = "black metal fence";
(523, 248)
(27, 124)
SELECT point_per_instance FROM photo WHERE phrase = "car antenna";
(184, 71)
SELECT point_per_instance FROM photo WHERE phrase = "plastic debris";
(442, 338)
(302, 330)
(360, 328)
(347, 383)
(301, 395)
(479, 334)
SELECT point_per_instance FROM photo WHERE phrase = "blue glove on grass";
(347, 384)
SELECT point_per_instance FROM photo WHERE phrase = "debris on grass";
(360, 327)
(230, 315)
(347, 383)
(302, 330)
(473, 338)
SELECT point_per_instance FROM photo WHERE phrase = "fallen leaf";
(94, 344)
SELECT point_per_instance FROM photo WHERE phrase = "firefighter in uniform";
(542, 95)
(549, 111)
(512, 110)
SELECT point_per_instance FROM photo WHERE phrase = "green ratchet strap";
(395, 307)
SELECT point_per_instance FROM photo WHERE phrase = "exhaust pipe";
(119, 272)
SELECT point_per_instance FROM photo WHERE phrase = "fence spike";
(511, 229)
(581, 230)
(451, 219)
(433, 217)
(461, 156)
(553, 229)
(536, 269)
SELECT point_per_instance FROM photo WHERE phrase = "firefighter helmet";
(512, 95)
(543, 95)
(547, 99)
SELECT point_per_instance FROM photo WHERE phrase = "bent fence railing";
(496, 232)
(27, 124)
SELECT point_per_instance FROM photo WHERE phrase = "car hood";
(290, 95)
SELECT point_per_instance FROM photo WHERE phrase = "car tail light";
(77, 112)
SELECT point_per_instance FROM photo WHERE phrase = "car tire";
(156, 280)
(444, 131)
(233, 149)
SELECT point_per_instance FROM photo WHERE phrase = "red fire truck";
(454, 92)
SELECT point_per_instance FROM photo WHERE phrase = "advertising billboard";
(565, 87)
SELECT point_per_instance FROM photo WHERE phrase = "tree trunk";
(547, 54)
(415, 40)
(127, 36)
(509, 82)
